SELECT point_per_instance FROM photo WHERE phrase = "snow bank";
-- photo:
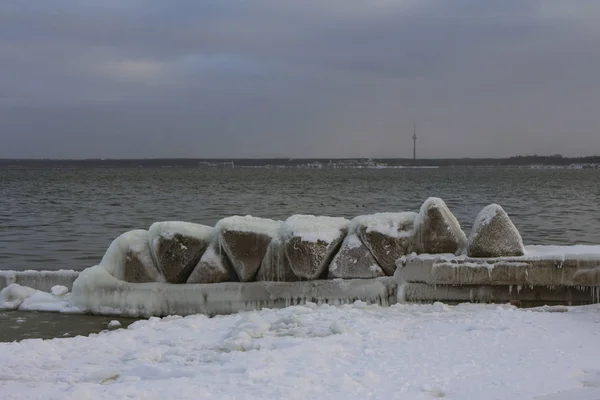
(351, 352)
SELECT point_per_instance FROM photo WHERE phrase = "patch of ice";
(486, 215)
(17, 297)
(59, 290)
(315, 228)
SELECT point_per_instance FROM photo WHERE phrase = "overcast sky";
(310, 78)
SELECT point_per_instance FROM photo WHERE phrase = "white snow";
(17, 297)
(412, 352)
(532, 252)
(486, 215)
(168, 229)
(315, 228)
(249, 223)
(389, 224)
(114, 324)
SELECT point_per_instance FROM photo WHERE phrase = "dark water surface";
(66, 218)
(16, 325)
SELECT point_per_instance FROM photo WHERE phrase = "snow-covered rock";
(178, 246)
(275, 266)
(437, 231)
(354, 261)
(213, 267)
(245, 241)
(386, 235)
(494, 235)
(311, 242)
(129, 258)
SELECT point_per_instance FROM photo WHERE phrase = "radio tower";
(414, 141)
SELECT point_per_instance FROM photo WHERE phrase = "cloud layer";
(267, 78)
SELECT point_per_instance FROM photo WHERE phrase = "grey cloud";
(298, 79)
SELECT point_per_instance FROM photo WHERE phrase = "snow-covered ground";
(322, 352)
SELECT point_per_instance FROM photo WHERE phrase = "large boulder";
(494, 235)
(178, 246)
(437, 230)
(275, 266)
(311, 242)
(386, 235)
(354, 261)
(129, 258)
(213, 267)
(245, 241)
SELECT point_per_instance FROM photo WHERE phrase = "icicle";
(510, 289)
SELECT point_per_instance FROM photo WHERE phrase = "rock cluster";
(303, 247)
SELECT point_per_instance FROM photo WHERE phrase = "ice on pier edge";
(322, 352)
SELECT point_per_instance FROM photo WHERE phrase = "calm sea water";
(66, 218)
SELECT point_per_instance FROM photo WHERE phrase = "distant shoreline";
(317, 163)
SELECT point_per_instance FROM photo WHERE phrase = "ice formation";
(22, 298)
(386, 235)
(354, 260)
(245, 241)
(437, 230)
(275, 266)
(494, 235)
(247, 262)
(41, 280)
(311, 242)
(129, 258)
(213, 266)
(178, 246)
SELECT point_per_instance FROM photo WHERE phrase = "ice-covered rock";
(494, 235)
(245, 240)
(129, 258)
(213, 266)
(311, 242)
(354, 261)
(437, 230)
(178, 246)
(386, 235)
(275, 266)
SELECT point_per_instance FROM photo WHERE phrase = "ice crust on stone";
(311, 242)
(250, 224)
(275, 266)
(437, 230)
(313, 229)
(213, 266)
(245, 241)
(129, 258)
(386, 235)
(354, 261)
(178, 246)
(494, 235)
(390, 224)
